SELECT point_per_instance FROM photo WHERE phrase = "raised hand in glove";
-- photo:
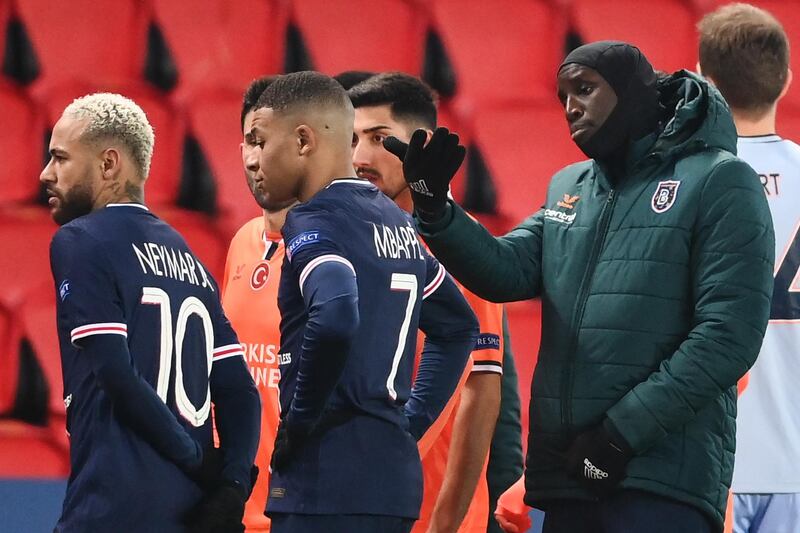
(598, 458)
(220, 511)
(289, 439)
(429, 168)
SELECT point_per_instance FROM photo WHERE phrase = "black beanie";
(633, 79)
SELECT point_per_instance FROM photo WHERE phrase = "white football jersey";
(768, 422)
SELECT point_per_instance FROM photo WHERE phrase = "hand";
(289, 439)
(253, 478)
(428, 169)
(513, 527)
(598, 458)
(220, 511)
(207, 475)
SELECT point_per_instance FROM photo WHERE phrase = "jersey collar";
(759, 139)
(131, 204)
(352, 181)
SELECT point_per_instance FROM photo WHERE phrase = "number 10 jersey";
(122, 271)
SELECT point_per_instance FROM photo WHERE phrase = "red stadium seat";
(97, 41)
(201, 235)
(5, 12)
(523, 147)
(666, 35)
(38, 319)
(25, 234)
(788, 125)
(20, 146)
(9, 359)
(504, 49)
(353, 35)
(447, 118)
(524, 324)
(168, 123)
(218, 43)
(28, 451)
(214, 118)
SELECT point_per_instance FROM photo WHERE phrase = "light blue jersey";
(768, 421)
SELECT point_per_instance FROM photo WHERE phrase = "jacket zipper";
(599, 243)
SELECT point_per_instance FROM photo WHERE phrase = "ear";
(708, 78)
(110, 161)
(787, 84)
(306, 140)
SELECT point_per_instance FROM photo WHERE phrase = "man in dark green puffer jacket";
(654, 264)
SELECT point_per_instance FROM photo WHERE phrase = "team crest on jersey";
(665, 195)
(63, 289)
(260, 276)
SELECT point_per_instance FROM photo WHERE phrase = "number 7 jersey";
(372, 466)
(768, 428)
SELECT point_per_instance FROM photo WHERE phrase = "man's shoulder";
(574, 172)
(251, 231)
(80, 233)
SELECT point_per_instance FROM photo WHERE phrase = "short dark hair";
(350, 78)
(409, 98)
(300, 89)
(745, 51)
(252, 93)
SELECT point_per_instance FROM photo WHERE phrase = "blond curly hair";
(115, 117)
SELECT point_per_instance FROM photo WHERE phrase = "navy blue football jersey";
(365, 461)
(122, 271)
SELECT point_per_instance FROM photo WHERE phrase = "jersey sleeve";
(88, 300)
(435, 275)
(237, 405)
(226, 343)
(487, 356)
(311, 240)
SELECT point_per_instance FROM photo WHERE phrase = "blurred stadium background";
(187, 62)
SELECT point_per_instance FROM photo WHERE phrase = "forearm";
(440, 369)
(497, 269)
(237, 412)
(137, 403)
(331, 298)
(431, 435)
(469, 448)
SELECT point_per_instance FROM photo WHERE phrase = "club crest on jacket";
(665, 195)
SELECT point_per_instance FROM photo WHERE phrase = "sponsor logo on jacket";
(564, 210)
(568, 202)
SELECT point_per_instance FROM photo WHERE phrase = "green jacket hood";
(696, 116)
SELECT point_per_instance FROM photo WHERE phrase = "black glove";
(207, 475)
(429, 168)
(598, 458)
(219, 511)
(289, 439)
(253, 478)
